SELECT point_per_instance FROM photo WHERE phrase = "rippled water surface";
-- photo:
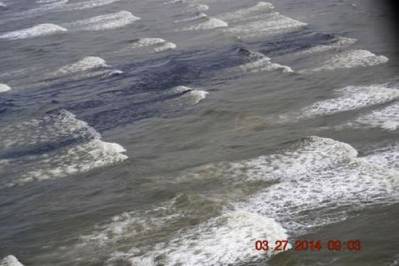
(168, 132)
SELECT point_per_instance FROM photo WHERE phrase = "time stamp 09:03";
(309, 245)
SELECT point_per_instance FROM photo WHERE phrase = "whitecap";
(270, 24)
(339, 43)
(225, 240)
(85, 64)
(351, 59)
(264, 64)
(54, 146)
(165, 47)
(52, 128)
(386, 118)
(194, 96)
(157, 44)
(386, 156)
(32, 32)
(76, 159)
(309, 189)
(146, 42)
(88, 4)
(312, 182)
(4, 88)
(247, 13)
(10, 260)
(208, 24)
(104, 22)
(352, 98)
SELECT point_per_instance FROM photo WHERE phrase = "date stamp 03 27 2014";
(309, 245)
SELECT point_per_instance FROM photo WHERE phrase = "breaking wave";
(32, 32)
(104, 22)
(208, 24)
(85, 64)
(157, 44)
(272, 24)
(4, 88)
(386, 118)
(351, 59)
(54, 146)
(10, 261)
(352, 98)
(247, 13)
(193, 96)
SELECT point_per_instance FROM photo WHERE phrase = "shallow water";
(180, 132)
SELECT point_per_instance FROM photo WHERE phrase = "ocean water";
(180, 132)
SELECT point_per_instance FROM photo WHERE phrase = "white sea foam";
(208, 24)
(61, 144)
(77, 159)
(225, 240)
(85, 64)
(145, 42)
(194, 96)
(351, 59)
(10, 261)
(312, 182)
(52, 128)
(2, 4)
(270, 24)
(247, 13)
(104, 22)
(340, 43)
(264, 64)
(4, 88)
(165, 47)
(308, 181)
(35, 31)
(352, 98)
(323, 174)
(387, 156)
(386, 118)
(155, 44)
